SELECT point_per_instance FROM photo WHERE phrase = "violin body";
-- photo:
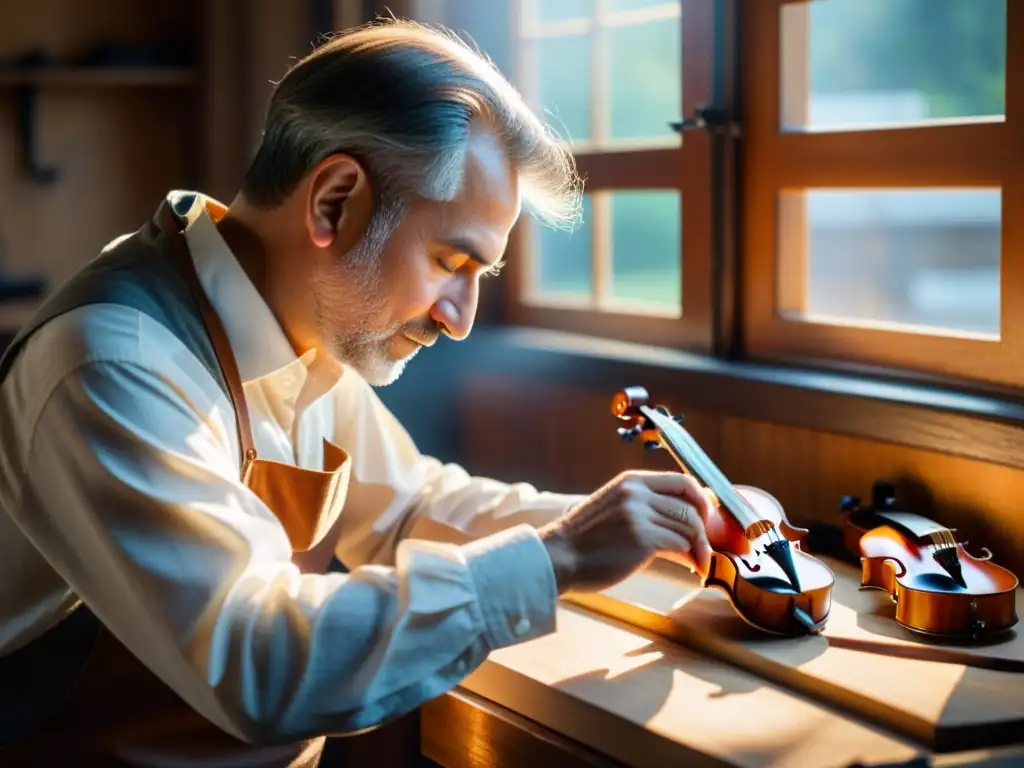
(757, 586)
(939, 588)
(756, 558)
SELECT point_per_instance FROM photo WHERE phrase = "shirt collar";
(262, 351)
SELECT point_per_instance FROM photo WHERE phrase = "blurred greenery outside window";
(922, 257)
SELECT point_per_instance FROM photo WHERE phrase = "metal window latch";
(708, 119)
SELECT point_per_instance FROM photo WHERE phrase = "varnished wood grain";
(463, 730)
(396, 744)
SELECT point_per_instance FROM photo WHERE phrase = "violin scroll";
(627, 404)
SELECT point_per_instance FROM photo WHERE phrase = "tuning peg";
(628, 433)
(652, 445)
(849, 504)
(884, 495)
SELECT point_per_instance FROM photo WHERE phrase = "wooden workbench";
(700, 690)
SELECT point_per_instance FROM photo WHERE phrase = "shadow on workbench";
(647, 688)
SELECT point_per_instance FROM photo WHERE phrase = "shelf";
(114, 77)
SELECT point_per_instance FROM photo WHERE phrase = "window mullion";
(601, 255)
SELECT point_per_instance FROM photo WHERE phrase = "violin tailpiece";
(782, 554)
(948, 558)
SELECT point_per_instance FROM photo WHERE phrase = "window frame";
(973, 154)
(685, 168)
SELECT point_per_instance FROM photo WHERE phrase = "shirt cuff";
(515, 585)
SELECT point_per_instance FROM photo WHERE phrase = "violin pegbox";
(628, 405)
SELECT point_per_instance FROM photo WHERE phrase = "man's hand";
(622, 525)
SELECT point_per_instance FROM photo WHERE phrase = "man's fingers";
(667, 540)
(678, 485)
(679, 512)
(684, 520)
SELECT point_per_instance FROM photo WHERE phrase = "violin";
(939, 588)
(756, 557)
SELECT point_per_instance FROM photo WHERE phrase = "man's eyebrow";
(470, 248)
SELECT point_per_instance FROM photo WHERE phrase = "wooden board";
(1006, 757)
(944, 706)
(645, 701)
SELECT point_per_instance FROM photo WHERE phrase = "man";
(188, 427)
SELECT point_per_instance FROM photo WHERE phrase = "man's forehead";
(488, 170)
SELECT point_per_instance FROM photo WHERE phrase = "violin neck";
(691, 457)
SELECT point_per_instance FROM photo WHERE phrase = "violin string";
(699, 457)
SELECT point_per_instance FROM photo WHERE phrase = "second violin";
(939, 587)
(756, 557)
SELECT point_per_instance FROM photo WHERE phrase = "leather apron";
(118, 713)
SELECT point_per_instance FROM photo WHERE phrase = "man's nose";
(455, 319)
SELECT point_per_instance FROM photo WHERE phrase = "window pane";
(921, 257)
(614, 6)
(644, 79)
(561, 260)
(484, 25)
(646, 230)
(559, 10)
(561, 83)
(860, 63)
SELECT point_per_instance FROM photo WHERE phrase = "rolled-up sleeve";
(131, 492)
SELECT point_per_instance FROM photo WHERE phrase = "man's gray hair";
(401, 98)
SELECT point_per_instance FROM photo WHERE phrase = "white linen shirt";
(119, 483)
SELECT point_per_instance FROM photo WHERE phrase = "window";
(611, 76)
(881, 166)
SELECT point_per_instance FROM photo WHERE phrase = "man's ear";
(340, 203)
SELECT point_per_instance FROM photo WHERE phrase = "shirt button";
(522, 627)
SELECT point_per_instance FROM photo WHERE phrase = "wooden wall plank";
(563, 438)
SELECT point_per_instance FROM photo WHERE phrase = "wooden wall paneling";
(118, 141)
(557, 436)
(249, 45)
(350, 13)
(223, 154)
(277, 33)
(563, 438)
(809, 471)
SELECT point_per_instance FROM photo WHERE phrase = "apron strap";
(169, 225)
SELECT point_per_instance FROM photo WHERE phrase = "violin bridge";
(758, 529)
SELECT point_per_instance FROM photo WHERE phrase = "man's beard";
(350, 306)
